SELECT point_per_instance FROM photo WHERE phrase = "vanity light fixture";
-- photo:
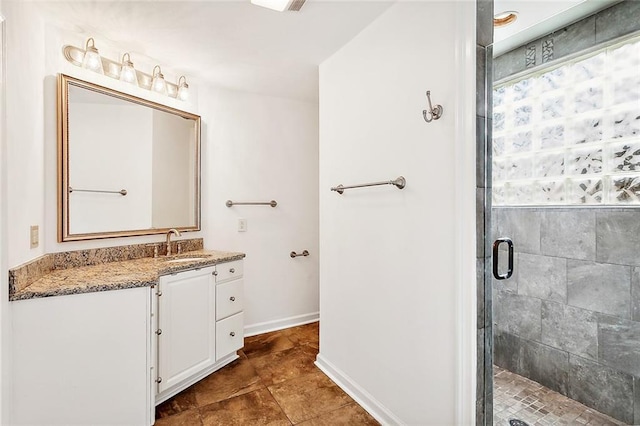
(92, 60)
(128, 72)
(183, 88)
(159, 84)
(123, 70)
(505, 18)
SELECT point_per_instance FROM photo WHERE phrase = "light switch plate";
(242, 225)
(35, 236)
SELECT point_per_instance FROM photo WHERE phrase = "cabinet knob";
(159, 332)
(159, 293)
(214, 273)
(232, 298)
(159, 380)
(232, 334)
(232, 270)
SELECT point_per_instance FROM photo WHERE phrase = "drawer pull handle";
(232, 334)
(159, 332)
(214, 273)
(232, 298)
(232, 270)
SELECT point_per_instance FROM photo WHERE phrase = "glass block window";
(570, 134)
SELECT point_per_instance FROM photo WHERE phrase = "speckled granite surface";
(23, 275)
(27, 273)
(112, 275)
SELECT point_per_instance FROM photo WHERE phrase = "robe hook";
(434, 112)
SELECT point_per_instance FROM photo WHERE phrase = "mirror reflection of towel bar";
(271, 203)
(122, 192)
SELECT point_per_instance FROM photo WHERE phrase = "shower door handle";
(496, 258)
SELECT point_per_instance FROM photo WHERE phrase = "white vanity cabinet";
(109, 357)
(83, 359)
(199, 325)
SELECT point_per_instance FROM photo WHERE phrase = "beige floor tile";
(263, 344)
(183, 401)
(309, 396)
(236, 379)
(185, 418)
(305, 334)
(349, 415)
(284, 365)
(237, 393)
(253, 408)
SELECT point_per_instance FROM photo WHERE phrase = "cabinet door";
(186, 320)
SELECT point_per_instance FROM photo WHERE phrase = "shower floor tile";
(516, 397)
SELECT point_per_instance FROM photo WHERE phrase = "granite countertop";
(119, 275)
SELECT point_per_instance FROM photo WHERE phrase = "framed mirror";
(126, 166)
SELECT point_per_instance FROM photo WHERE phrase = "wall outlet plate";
(242, 225)
(35, 236)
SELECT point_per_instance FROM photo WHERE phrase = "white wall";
(25, 128)
(103, 157)
(34, 57)
(22, 162)
(53, 39)
(254, 148)
(392, 268)
(28, 158)
(261, 148)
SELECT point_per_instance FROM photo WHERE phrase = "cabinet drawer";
(229, 335)
(229, 298)
(229, 270)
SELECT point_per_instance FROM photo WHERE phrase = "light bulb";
(128, 73)
(91, 58)
(158, 84)
(183, 89)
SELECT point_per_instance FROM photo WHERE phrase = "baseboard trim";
(280, 324)
(361, 396)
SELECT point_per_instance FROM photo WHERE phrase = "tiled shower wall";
(569, 318)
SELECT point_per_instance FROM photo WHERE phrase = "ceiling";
(537, 18)
(237, 45)
(231, 44)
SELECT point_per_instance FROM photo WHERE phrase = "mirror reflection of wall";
(104, 156)
(116, 144)
(172, 170)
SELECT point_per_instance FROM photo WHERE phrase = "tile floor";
(516, 397)
(274, 382)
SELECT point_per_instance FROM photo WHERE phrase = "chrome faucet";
(176, 233)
